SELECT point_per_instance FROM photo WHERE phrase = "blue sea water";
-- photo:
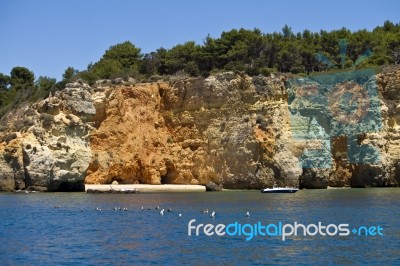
(33, 232)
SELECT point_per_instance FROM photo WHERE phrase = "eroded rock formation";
(230, 129)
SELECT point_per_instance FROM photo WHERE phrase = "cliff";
(229, 128)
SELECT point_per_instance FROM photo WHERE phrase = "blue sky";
(47, 36)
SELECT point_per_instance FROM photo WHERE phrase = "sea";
(85, 229)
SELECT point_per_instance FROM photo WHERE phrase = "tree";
(21, 78)
(150, 63)
(127, 54)
(309, 61)
(307, 34)
(287, 32)
(43, 87)
(88, 76)
(44, 83)
(120, 60)
(251, 51)
(289, 57)
(4, 82)
(162, 55)
(69, 73)
(388, 26)
(107, 68)
(236, 48)
(182, 57)
(4, 90)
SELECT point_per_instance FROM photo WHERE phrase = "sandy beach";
(149, 188)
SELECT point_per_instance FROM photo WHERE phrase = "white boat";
(276, 189)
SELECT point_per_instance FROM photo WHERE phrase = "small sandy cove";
(149, 188)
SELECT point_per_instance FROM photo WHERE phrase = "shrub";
(252, 71)
(235, 66)
(47, 120)
(260, 120)
(296, 70)
(22, 124)
(266, 71)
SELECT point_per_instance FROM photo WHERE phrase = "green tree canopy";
(182, 57)
(44, 83)
(22, 78)
(107, 68)
(127, 54)
(69, 73)
(4, 82)
(238, 49)
(253, 51)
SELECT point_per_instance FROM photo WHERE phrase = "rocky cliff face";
(231, 129)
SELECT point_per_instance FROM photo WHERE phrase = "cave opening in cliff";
(167, 178)
(164, 180)
(117, 179)
(70, 187)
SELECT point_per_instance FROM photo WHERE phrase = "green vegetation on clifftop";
(250, 51)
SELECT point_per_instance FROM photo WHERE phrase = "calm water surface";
(33, 232)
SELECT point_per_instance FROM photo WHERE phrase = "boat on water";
(276, 189)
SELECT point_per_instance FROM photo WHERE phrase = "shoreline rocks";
(112, 191)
